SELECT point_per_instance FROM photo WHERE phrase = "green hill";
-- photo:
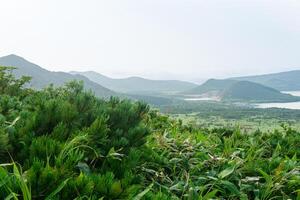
(138, 85)
(234, 90)
(42, 77)
(249, 91)
(284, 81)
(211, 86)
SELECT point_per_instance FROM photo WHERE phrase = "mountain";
(234, 90)
(42, 77)
(211, 86)
(284, 81)
(137, 85)
(250, 91)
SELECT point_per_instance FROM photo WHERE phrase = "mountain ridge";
(136, 84)
(237, 88)
(42, 77)
(282, 81)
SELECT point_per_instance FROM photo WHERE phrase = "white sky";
(160, 39)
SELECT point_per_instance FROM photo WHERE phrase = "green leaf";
(22, 183)
(12, 196)
(226, 172)
(60, 187)
(140, 195)
(231, 187)
(114, 154)
(266, 176)
(210, 195)
(83, 167)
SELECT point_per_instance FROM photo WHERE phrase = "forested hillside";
(65, 143)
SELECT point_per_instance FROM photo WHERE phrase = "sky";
(159, 39)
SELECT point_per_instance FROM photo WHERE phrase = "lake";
(290, 105)
(200, 98)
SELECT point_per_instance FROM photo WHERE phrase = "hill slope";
(138, 85)
(284, 81)
(211, 86)
(42, 77)
(233, 90)
(249, 91)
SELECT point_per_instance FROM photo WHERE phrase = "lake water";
(200, 98)
(290, 105)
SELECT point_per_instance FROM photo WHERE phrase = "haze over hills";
(283, 81)
(249, 91)
(42, 77)
(234, 90)
(138, 85)
(210, 87)
(263, 88)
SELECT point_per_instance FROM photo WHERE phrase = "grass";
(247, 125)
(67, 144)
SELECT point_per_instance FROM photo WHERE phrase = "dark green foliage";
(64, 143)
(227, 164)
(60, 134)
(229, 111)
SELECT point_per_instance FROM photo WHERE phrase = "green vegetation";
(157, 92)
(207, 114)
(246, 125)
(228, 110)
(64, 143)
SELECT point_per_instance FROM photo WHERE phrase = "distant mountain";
(234, 90)
(211, 86)
(153, 100)
(42, 77)
(249, 91)
(284, 81)
(137, 85)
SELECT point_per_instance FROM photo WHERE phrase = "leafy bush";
(64, 143)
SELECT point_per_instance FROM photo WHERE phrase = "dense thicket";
(64, 143)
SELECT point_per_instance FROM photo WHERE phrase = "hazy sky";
(183, 39)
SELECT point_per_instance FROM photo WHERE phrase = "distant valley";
(257, 89)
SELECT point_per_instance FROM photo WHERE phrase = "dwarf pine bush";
(65, 143)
